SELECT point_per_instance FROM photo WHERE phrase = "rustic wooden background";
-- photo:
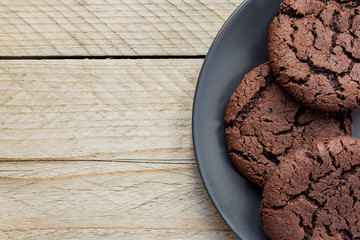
(95, 102)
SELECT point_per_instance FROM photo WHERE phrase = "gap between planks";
(101, 57)
(151, 161)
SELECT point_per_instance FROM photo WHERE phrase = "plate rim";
(199, 81)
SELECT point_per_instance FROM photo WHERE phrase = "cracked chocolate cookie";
(315, 195)
(264, 124)
(314, 50)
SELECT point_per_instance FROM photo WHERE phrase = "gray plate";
(240, 46)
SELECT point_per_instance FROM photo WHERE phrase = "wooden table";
(96, 100)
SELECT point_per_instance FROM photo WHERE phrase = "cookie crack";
(333, 160)
(249, 159)
(352, 170)
(295, 124)
(344, 3)
(295, 197)
(270, 156)
(307, 229)
(352, 195)
(313, 32)
(350, 22)
(322, 176)
(334, 20)
(345, 234)
(315, 70)
(333, 78)
(349, 55)
(347, 3)
(327, 230)
(291, 12)
(246, 109)
(267, 154)
(241, 154)
(299, 82)
(284, 132)
(340, 117)
(301, 110)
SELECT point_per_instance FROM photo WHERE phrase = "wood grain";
(97, 109)
(109, 200)
(110, 27)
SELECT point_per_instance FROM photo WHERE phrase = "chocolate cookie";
(315, 195)
(264, 124)
(314, 49)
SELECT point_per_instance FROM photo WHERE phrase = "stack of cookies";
(289, 122)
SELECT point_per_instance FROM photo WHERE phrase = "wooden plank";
(110, 27)
(110, 200)
(95, 234)
(97, 109)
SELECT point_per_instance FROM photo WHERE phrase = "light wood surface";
(97, 109)
(110, 27)
(102, 148)
(63, 200)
